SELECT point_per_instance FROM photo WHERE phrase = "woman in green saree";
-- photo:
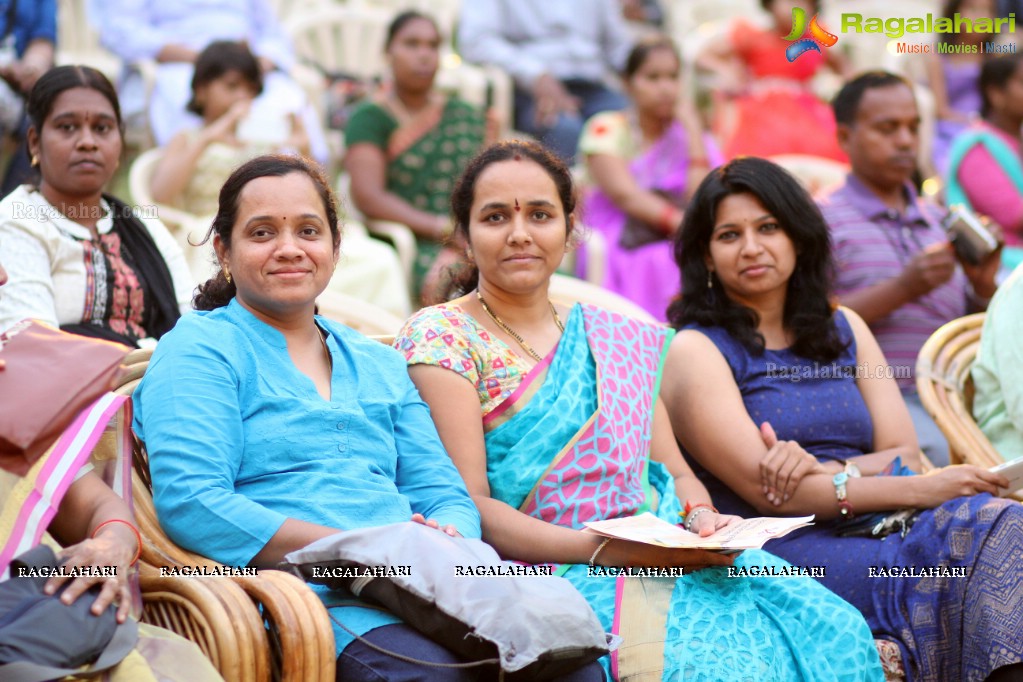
(407, 145)
(572, 431)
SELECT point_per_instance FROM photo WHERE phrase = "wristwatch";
(840, 480)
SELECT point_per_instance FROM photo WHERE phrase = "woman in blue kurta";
(788, 408)
(269, 427)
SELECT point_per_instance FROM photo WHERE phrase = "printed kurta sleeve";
(606, 133)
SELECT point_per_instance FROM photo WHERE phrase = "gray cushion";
(460, 593)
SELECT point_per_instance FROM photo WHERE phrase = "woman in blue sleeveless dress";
(787, 407)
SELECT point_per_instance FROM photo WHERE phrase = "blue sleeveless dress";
(946, 628)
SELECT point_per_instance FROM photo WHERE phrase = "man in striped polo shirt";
(896, 267)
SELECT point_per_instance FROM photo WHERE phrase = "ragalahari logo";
(807, 38)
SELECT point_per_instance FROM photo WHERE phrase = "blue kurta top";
(240, 440)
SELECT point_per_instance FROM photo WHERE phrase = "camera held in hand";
(972, 239)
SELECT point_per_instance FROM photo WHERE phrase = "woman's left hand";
(102, 552)
(784, 466)
(709, 522)
(449, 529)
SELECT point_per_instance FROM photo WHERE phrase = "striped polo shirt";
(872, 243)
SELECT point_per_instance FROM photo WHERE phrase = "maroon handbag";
(50, 376)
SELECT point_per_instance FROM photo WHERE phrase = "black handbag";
(41, 638)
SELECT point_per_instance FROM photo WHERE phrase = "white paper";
(743, 534)
(1012, 470)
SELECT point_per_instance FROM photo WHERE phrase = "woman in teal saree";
(572, 432)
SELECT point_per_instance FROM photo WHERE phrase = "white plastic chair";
(401, 236)
(814, 172)
(346, 38)
(444, 12)
(78, 40)
(569, 290)
(187, 228)
(361, 316)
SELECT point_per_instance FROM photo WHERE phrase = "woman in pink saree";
(644, 164)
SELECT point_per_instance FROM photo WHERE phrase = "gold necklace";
(511, 332)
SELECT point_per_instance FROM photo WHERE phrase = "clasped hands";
(783, 466)
(786, 463)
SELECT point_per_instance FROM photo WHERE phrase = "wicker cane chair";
(215, 614)
(946, 389)
(282, 628)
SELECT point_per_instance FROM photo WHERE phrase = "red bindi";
(517, 207)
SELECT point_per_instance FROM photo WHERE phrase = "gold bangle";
(138, 536)
(597, 551)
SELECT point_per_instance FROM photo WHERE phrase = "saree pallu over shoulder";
(30, 502)
(591, 403)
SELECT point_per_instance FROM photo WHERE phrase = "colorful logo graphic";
(807, 38)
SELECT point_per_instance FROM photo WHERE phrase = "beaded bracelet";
(690, 507)
(597, 551)
(138, 536)
(691, 511)
(690, 517)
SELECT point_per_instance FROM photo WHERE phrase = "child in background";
(196, 162)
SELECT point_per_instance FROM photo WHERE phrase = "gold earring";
(710, 279)
(35, 160)
(227, 275)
